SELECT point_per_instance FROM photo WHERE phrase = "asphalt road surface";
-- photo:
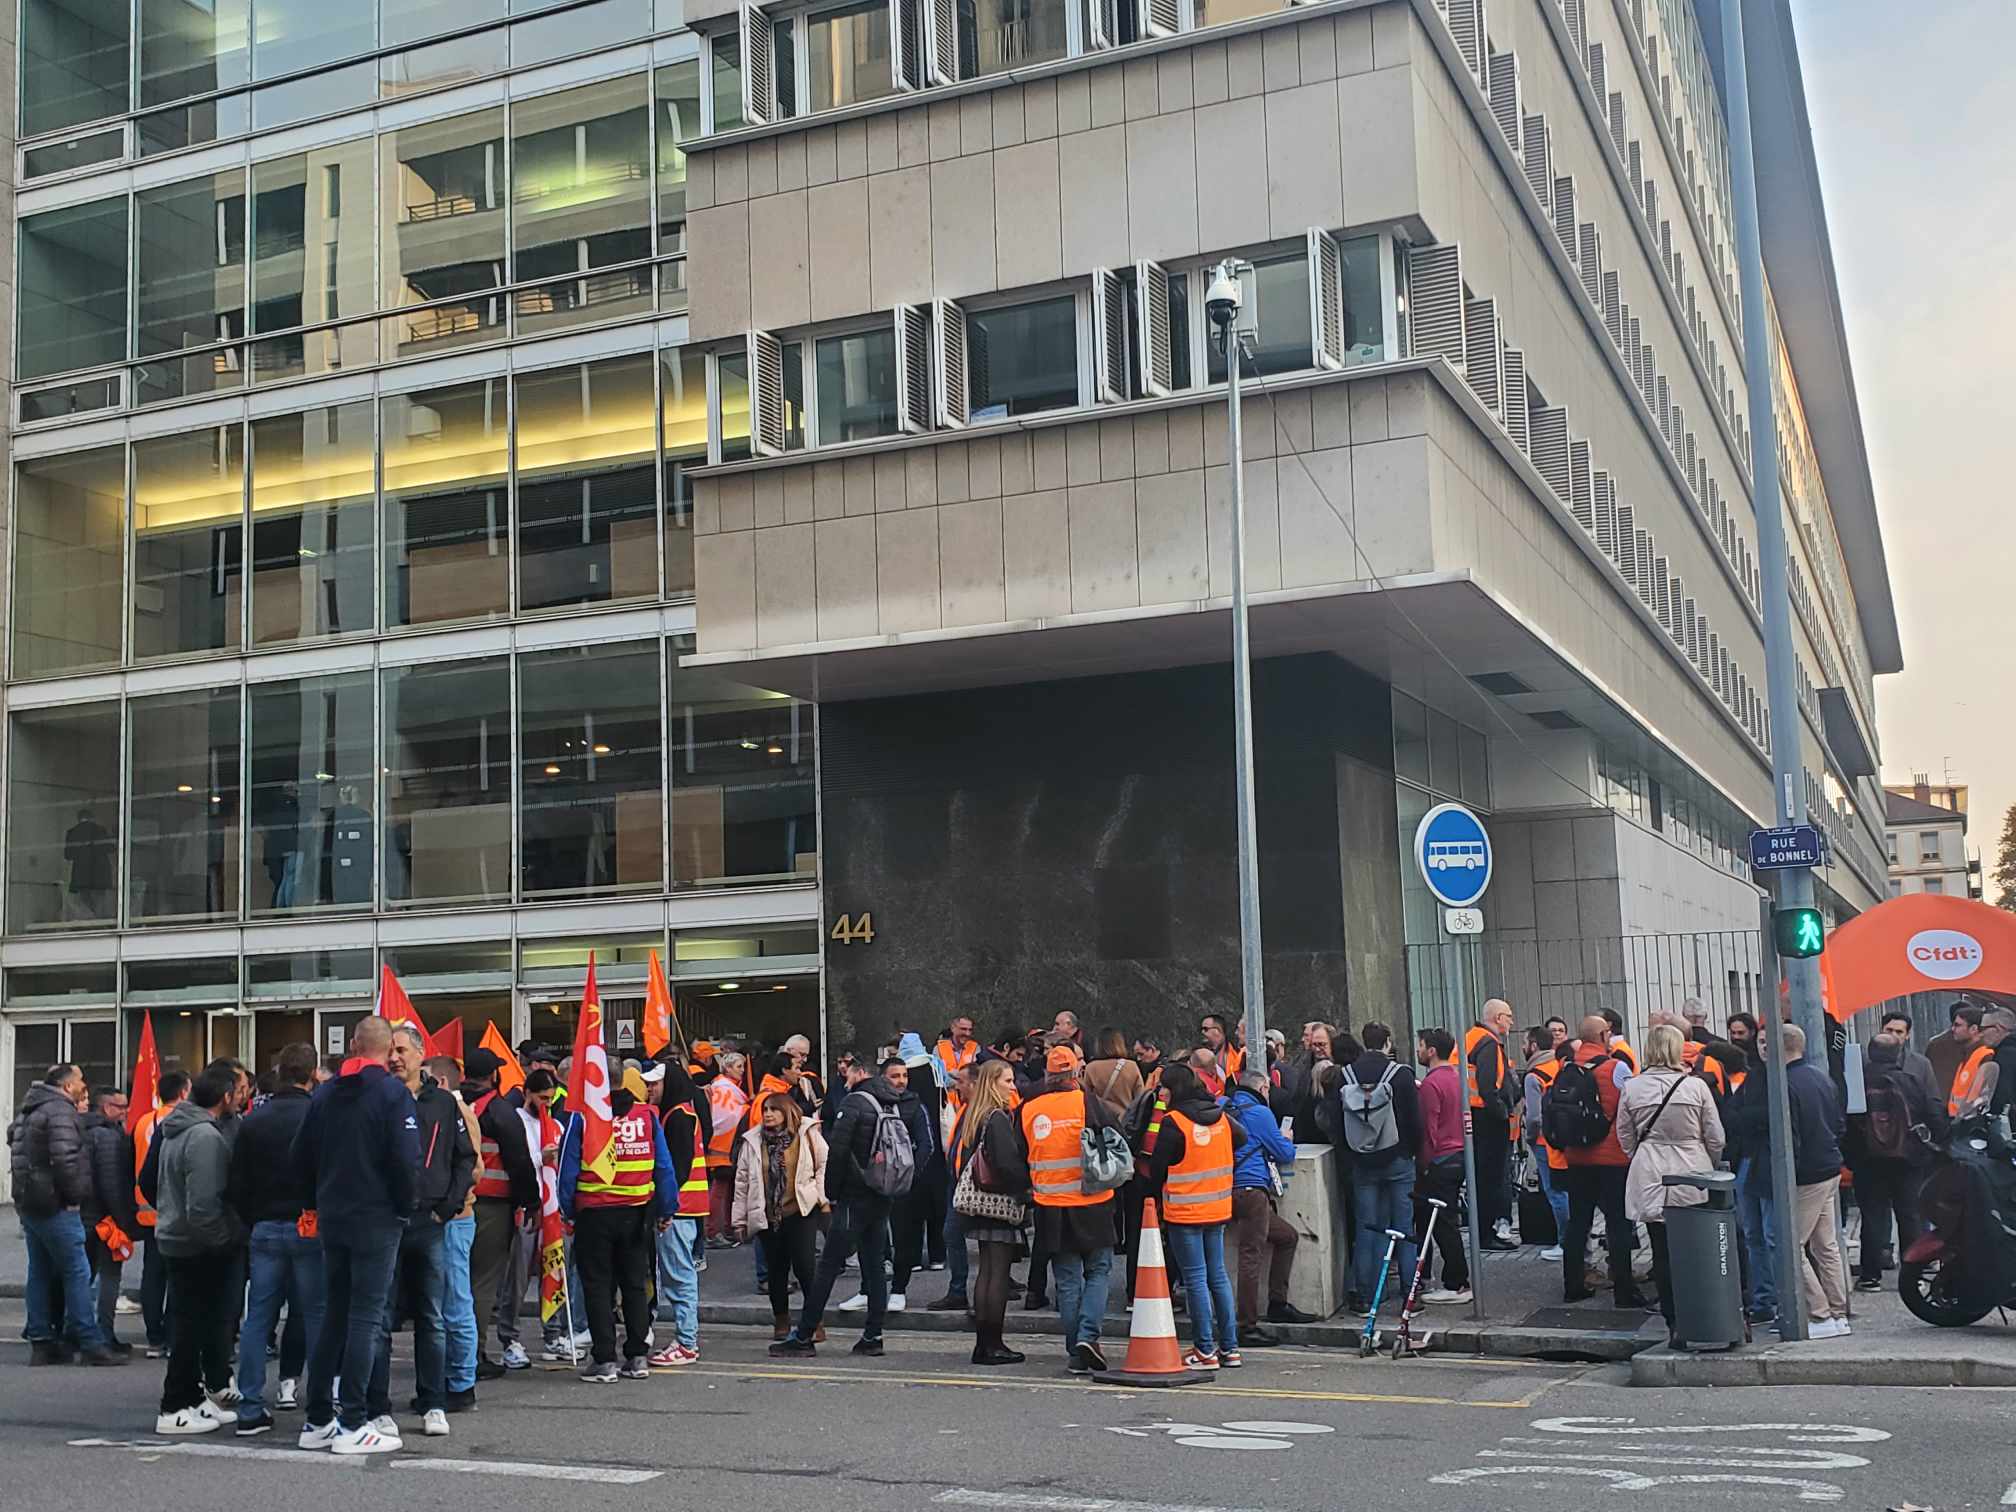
(1295, 1431)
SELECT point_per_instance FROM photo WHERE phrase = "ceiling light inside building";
(552, 770)
(601, 750)
(730, 986)
(183, 787)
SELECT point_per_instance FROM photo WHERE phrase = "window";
(1364, 333)
(69, 523)
(587, 491)
(73, 62)
(847, 55)
(726, 52)
(446, 512)
(290, 35)
(193, 49)
(457, 61)
(442, 185)
(188, 541)
(582, 29)
(856, 386)
(403, 21)
(447, 770)
(191, 270)
(590, 765)
(1935, 884)
(1021, 359)
(312, 262)
(996, 35)
(71, 303)
(310, 829)
(330, 92)
(63, 818)
(1928, 845)
(731, 379)
(742, 799)
(1219, 12)
(581, 195)
(677, 88)
(682, 423)
(312, 512)
(1277, 310)
(182, 838)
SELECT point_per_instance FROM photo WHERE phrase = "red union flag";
(588, 1086)
(146, 1095)
(552, 1232)
(393, 1004)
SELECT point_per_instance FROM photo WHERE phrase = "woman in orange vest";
(727, 1103)
(1190, 1173)
(1541, 1069)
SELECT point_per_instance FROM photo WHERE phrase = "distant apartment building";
(1925, 829)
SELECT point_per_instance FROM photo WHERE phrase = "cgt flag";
(510, 1075)
(146, 1095)
(588, 1086)
(552, 1232)
(657, 1009)
(447, 1040)
(393, 1004)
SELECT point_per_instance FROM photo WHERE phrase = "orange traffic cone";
(1154, 1358)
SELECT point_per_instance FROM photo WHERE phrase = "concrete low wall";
(1314, 1207)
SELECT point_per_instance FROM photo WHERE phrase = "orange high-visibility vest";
(1620, 1049)
(629, 1183)
(729, 1102)
(950, 1057)
(1547, 1069)
(1231, 1061)
(1474, 1036)
(1053, 1125)
(491, 1181)
(1199, 1188)
(693, 1190)
(143, 1137)
(1966, 1077)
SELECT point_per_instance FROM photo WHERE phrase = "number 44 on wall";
(849, 929)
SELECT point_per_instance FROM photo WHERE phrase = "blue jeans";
(1557, 1194)
(285, 1267)
(422, 1287)
(679, 1278)
(358, 1266)
(1384, 1199)
(955, 1254)
(1199, 1252)
(1754, 1211)
(56, 1262)
(458, 1303)
(1081, 1292)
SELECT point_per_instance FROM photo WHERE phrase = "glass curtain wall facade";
(351, 564)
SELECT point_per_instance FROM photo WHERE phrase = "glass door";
(333, 1026)
(91, 1044)
(273, 1030)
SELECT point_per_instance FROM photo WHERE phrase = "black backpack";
(1571, 1114)
(1888, 1131)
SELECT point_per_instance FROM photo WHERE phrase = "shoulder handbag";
(971, 1199)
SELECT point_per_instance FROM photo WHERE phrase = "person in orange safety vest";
(1214, 1036)
(1075, 1226)
(1487, 1073)
(728, 1105)
(1190, 1174)
(616, 1215)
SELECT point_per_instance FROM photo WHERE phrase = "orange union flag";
(657, 1009)
(588, 1085)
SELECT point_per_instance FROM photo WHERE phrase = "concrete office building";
(1925, 828)
(489, 482)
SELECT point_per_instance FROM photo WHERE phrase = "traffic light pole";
(1787, 1274)
(1792, 887)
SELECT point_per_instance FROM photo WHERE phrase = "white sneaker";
(211, 1408)
(897, 1301)
(126, 1307)
(365, 1440)
(556, 1350)
(230, 1396)
(319, 1437)
(385, 1425)
(186, 1423)
(856, 1303)
(1443, 1294)
(1828, 1328)
(515, 1357)
(1552, 1252)
(289, 1397)
(436, 1424)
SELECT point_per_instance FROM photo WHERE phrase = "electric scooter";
(1368, 1340)
(1406, 1346)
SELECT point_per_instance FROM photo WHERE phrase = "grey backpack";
(892, 1155)
(1105, 1164)
(1369, 1122)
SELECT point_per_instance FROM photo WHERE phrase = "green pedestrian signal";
(1799, 932)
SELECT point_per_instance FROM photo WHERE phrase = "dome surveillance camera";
(1224, 298)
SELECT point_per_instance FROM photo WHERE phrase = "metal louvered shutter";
(1466, 25)
(906, 45)
(1515, 399)
(1692, 620)
(913, 369)
(1648, 376)
(1589, 260)
(759, 79)
(1662, 591)
(1598, 65)
(1503, 88)
(1620, 124)
(1677, 625)
(1483, 354)
(1582, 487)
(766, 394)
(1550, 447)
(1435, 302)
(1564, 213)
(941, 41)
(950, 368)
(1539, 144)
(1634, 169)
(1613, 527)
(1151, 320)
(1102, 24)
(1326, 298)
(1642, 580)
(1575, 13)
(1613, 309)
(1159, 18)
(1109, 336)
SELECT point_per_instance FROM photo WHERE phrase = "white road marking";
(1288, 1428)
(966, 1497)
(1765, 1459)
(1482, 1472)
(310, 1459)
(1244, 1435)
(1802, 1433)
(1625, 1480)
(2009, 1496)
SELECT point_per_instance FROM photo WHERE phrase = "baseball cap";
(1061, 1058)
(479, 1063)
(653, 1073)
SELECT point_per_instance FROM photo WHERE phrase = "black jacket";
(499, 1122)
(852, 1139)
(358, 1148)
(1366, 1071)
(111, 1156)
(447, 1167)
(46, 1153)
(1818, 1121)
(2004, 1095)
(1171, 1146)
(264, 1186)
